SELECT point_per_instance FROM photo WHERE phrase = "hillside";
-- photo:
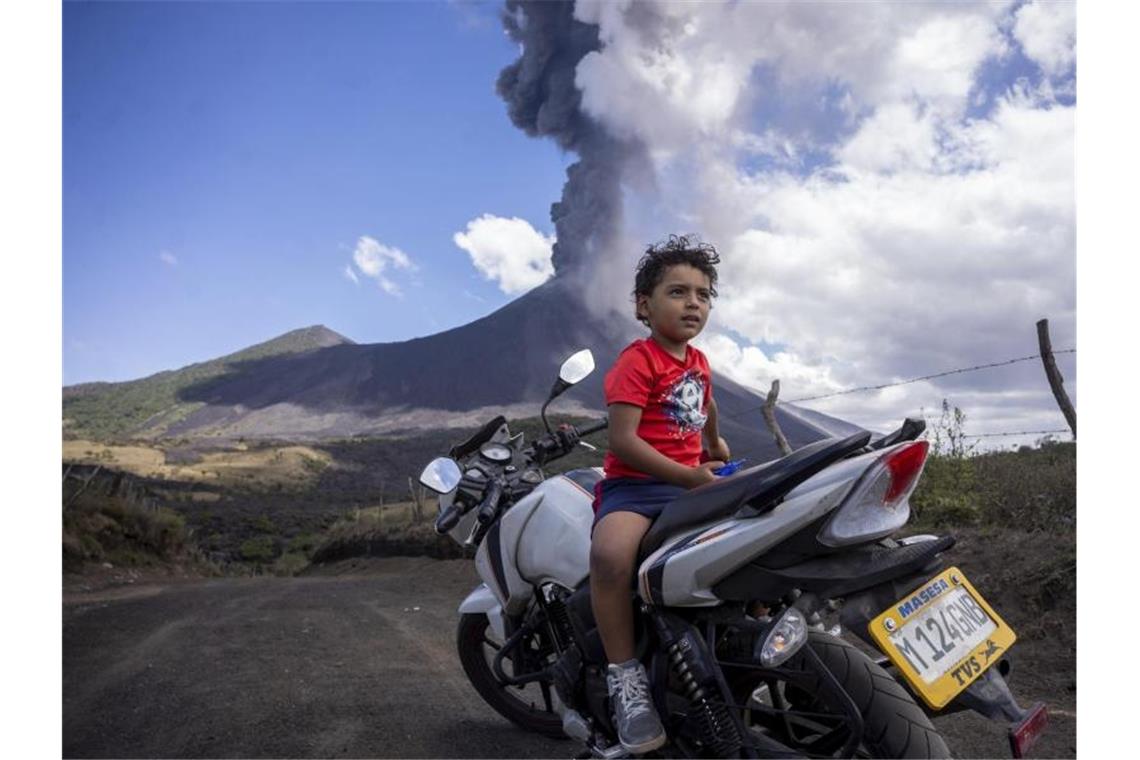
(147, 407)
(503, 363)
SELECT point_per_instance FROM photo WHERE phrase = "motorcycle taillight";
(904, 465)
(877, 505)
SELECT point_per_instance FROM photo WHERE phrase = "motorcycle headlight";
(877, 506)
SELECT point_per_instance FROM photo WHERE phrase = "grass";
(1027, 490)
(101, 528)
(266, 466)
(389, 531)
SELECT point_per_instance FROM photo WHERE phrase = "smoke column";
(542, 100)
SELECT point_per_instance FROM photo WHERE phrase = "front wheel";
(530, 706)
(791, 705)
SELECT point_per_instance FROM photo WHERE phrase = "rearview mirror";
(573, 370)
(577, 367)
(441, 475)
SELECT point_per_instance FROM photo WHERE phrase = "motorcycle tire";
(893, 724)
(474, 651)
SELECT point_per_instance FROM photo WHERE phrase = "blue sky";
(892, 201)
(221, 162)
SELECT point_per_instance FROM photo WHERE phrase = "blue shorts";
(644, 496)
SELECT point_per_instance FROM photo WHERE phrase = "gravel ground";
(357, 660)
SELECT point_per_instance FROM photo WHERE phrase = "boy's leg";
(613, 551)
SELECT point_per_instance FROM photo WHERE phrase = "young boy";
(659, 395)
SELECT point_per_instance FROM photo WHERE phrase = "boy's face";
(679, 306)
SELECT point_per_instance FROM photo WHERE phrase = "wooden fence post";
(83, 487)
(770, 419)
(1056, 382)
(417, 507)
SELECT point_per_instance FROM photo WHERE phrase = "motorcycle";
(744, 590)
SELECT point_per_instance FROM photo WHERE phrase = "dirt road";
(344, 665)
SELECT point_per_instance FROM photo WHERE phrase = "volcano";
(314, 384)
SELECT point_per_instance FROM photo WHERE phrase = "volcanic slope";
(314, 384)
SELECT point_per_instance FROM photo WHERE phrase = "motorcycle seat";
(761, 487)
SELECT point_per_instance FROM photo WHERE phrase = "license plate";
(942, 636)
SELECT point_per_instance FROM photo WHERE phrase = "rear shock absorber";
(692, 665)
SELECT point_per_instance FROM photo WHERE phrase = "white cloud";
(374, 259)
(168, 258)
(1048, 35)
(752, 367)
(673, 73)
(509, 251)
(927, 241)
(351, 274)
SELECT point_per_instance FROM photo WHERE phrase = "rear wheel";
(792, 705)
(531, 706)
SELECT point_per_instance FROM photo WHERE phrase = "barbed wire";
(928, 377)
(961, 370)
(1020, 432)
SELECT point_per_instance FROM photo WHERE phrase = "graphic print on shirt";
(682, 403)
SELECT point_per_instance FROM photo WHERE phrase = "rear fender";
(988, 696)
(483, 601)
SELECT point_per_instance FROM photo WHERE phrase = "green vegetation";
(290, 563)
(387, 538)
(1032, 489)
(263, 524)
(102, 411)
(100, 528)
(260, 549)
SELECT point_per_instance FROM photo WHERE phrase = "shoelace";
(632, 690)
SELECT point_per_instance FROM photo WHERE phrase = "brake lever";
(472, 538)
(589, 446)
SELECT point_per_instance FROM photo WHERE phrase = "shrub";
(260, 549)
(1029, 490)
(303, 543)
(263, 524)
(290, 564)
(97, 527)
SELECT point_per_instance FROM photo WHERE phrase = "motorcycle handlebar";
(490, 503)
(590, 429)
(448, 519)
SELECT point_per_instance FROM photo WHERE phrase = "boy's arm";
(714, 444)
(638, 454)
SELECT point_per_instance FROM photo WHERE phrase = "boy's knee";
(609, 565)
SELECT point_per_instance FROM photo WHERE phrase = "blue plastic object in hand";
(729, 468)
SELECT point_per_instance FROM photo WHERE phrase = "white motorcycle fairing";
(543, 538)
(682, 572)
(482, 601)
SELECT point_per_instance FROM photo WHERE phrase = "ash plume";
(543, 101)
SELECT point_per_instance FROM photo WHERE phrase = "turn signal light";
(784, 638)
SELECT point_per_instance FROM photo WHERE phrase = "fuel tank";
(554, 539)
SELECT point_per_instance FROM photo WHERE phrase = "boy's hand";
(719, 450)
(703, 473)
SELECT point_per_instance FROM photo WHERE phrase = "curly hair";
(678, 249)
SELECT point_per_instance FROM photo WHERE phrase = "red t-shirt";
(673, 396)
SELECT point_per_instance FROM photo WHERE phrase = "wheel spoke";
(828, 743)
(491, 644)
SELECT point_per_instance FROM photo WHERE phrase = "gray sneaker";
(638, 726)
